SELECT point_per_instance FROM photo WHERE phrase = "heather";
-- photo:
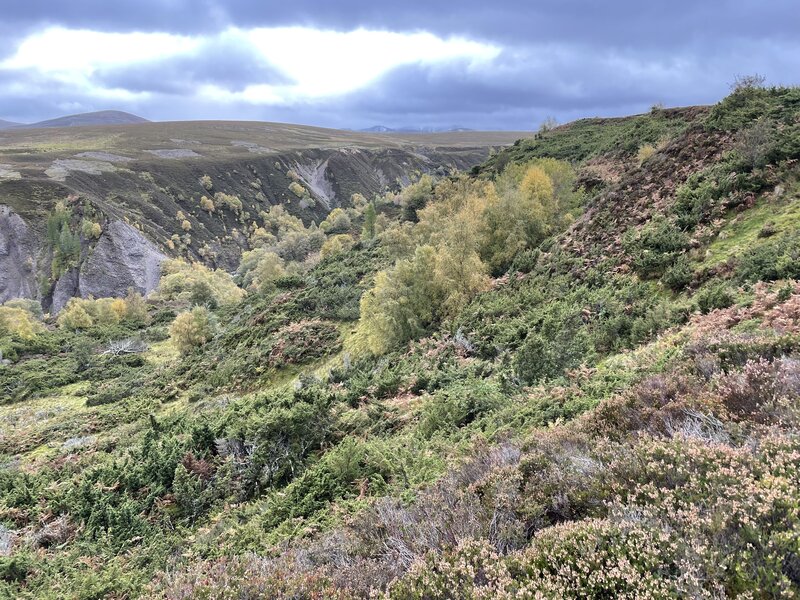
(570, 373)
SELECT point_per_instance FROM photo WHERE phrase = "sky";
(482, 64)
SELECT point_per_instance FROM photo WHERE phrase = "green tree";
(370, 217)
(402, 304)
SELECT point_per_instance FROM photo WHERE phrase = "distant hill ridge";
(8, 124)
(384, 129)
(102, 117)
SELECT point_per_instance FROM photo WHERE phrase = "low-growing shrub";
(714, 296)
(655, 247)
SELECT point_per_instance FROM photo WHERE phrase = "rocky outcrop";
(152, 189)
(123, 258)
(65, 288)
(17, 257)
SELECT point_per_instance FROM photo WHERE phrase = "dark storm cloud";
(182, 16)
(226, 63)
(565, 58)
(657, 22)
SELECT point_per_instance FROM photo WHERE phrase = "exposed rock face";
(152, 190)
(17, 257)
(66, 287)
(122, 258)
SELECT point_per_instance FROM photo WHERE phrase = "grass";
(36, 428)
(161, 353)
(742, 232)
(588, 138)
(223, 139)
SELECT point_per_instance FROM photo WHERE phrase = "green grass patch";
(746, 230)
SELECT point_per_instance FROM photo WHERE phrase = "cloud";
(658, 23)
(257, 66)
(507, 63)
(224, 61)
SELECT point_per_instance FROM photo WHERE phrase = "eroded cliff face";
(122, 258)
(17, 257)
(143, 206)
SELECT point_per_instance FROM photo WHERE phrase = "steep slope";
(614, 414)
(148, 174)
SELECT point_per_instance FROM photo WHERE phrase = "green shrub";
(546, 357)
(746, 105)
(714, 296)
(679, 274)
(458, 405)
(655, 247)
(776, 259)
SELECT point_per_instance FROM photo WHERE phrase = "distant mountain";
(103, 117)
(384, 129)
(8, 124)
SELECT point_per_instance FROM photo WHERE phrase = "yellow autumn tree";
(197, 284)
(102, 311)
(297, 189)
(120, 308)
(191, 329)
(259, 269)
(228, 201)
(517, 219)
(207, 204)
(337, 221)
(336, 244)
(136, 308)
(18, 322)
(460, 273)
(401, 305)
(74, 315)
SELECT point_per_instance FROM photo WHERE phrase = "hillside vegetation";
(194, 190)
(571, 373)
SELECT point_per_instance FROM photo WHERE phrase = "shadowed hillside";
(146, 174)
